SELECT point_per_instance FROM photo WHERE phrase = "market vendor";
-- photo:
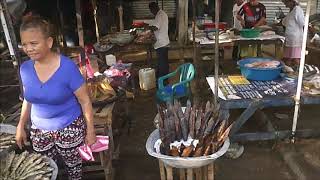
(55, 99)
(160, 28)
(294, 22)
(251, 15)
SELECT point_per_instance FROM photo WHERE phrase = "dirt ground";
(267, 160)
(276, 160)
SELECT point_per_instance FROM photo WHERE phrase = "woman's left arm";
(84, 100)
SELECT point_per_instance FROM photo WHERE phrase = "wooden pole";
(120, 11)
(94, 5)
(182, 21)
(79, 23)
(301, 68)
(216, 52)
(61, 28)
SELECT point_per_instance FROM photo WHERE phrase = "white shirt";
(235, 10)
(161, 22)
(294, 22)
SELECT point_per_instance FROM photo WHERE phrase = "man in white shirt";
(160, 28)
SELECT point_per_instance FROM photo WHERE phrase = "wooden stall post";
(182, 26)
(94, 5)
(79, 23)
(120, 11)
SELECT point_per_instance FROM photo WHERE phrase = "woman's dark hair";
(32, 21)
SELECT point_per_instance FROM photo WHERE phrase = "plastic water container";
(110, 59)
(147, 78)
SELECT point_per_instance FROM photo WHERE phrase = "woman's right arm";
(21, 136)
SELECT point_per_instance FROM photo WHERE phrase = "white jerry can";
(147, 78)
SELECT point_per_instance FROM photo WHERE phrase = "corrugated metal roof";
(273, 6)
(140, 9)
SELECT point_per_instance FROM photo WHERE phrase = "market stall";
(236, 92)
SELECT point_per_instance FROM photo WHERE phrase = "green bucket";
(249, 33)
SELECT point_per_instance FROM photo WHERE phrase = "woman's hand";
(90, 137)
(21, 136)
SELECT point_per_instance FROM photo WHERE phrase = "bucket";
(147, 78)
(110, 59)
(183, 162)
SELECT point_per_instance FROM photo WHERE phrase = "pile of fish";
(25, 166)
(145, 37)
(6, 140)
(263, 64)
(198, 123)
(100, 89)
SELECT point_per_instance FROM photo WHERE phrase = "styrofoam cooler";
(147, 78)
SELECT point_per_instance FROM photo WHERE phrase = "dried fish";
(207, 115)
(183, 123)
(198, 151)
(192, 122)
(21, 158)
(202, 123)
(9, 161)
(32, 160)
(182, 147)
(209, 127)
(161, 122)
(187, 152)
(174, 151)
(32, 173)
(198, 121)
(208, 150)
(187, 112)
(177, 120)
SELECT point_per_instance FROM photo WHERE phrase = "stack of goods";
(100, 89)
(311, 80)
(118, 74)
(6, 140)
(145, 37)
(25, 166)
(196, 131)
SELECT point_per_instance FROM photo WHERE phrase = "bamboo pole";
(301, 68)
